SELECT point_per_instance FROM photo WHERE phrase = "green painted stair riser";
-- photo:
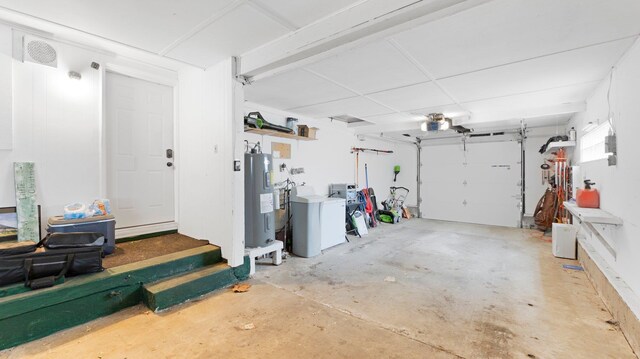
(160, 297)
(36, 314)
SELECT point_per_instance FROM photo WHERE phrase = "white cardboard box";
(564, 241)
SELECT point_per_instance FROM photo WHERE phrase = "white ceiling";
(198, 32)
(501, 59)
(493, 61)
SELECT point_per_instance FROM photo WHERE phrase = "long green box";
(35, 314)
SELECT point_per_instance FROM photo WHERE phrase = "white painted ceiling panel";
(301, 13)
(451, 111)
(504, 31)
(561, 95)
(568, 68)
(371, 68)
(146, 24)
(240, 30)
(412, 97)
(295, 88)
(390, 119)
(354, 106)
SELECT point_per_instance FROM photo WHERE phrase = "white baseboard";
(140, 230)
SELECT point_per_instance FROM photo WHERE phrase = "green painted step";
(35, 314)
(166, 293)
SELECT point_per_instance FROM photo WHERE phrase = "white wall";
(206, 136)
(618, 185)
(57, 123)
(6, 123)
(329, 159)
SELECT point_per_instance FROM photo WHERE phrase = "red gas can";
(588, 197)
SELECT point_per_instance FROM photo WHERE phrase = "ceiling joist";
(363, 21)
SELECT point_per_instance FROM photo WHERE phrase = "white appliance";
(318, 221)
(332, 222)
(563, 240)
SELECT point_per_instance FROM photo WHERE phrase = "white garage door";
(481, 185)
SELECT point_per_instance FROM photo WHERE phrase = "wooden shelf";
(273, 133)
(557, 145)
(592, 215)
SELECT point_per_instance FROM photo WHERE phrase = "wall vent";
(39, 51)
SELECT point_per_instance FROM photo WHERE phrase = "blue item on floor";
(572, 267)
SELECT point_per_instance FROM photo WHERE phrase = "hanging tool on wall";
(359, 149)
(357, 168)
(396, 171)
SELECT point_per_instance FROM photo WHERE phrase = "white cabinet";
(332, 226)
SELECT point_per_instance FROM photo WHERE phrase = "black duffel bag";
(13, 248)
(73, 240)
(42, 269)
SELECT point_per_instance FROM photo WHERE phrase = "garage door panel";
(444, 174)
(446, 210)
(443, 194)
(489, 174)
(444, 153)
(493, 152)
(492, 194)
(484, 189)
(486, 214)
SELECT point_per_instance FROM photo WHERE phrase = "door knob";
(169, 164)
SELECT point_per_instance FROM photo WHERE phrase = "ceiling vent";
(39, 51)
(348, 119)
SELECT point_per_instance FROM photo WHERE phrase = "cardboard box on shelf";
(306, 131)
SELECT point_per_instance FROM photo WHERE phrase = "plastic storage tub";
(106, 225)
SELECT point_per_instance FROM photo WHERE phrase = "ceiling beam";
(481, 118)
(391, 127)
(366, 20)
(523, 113)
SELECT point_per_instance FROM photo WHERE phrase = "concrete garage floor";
(421, 289)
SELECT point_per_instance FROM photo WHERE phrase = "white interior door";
(481, 185)
(140, 174)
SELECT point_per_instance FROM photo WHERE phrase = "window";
(592, 144)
